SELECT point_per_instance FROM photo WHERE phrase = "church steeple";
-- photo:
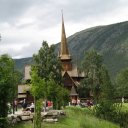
(64, 52)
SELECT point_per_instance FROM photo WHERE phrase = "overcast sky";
(24, 24)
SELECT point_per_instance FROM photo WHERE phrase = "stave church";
(70, 74)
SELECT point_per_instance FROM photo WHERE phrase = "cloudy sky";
(24, 24)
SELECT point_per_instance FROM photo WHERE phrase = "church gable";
(68, 81)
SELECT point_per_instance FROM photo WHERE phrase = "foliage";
(47, 63)
(106, 103)
(107, 89)
(57, 94)
(92, 61)
(18, 77)
(49, 90)
(6, 86)
(91, 66)
(84, 89)
(98, 81)
(122, 83)
(107, 108)
(38, 91)
(46, 80)
(124, 107)
(49, 68)
(37, 117)
(38, 84)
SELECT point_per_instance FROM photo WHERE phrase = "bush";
(106, 110)
(122, 119)
(3, 122)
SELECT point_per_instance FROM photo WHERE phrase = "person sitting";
(73, 102)
(88, 103)
(32, 107)
(24, 104)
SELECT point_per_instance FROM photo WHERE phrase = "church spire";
(64, 52)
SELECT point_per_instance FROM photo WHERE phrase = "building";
(70, 73)
(24, 89)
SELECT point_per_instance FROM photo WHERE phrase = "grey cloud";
(30, 49)
(73, 9)
(12, 9)
(46, 15)
(26, 51)
(76, 11)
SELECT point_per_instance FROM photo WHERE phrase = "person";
(122, 99)
(73, 102)
(88, 103)
(50, 105)
(78, 101)
(32, 107)
(24, 104)
(9, 108)
(45, 105)
(15, 104)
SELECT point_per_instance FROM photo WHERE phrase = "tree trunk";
(37, 113)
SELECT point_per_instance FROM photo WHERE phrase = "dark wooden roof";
(73, 92)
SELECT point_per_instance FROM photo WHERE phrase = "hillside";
(110, 40)
(20, 63)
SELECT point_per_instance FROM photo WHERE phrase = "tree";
(38, 91)
(84, 88)
(47, 63)
(46, 80)
(49, 68)
(122, 83)
(97, 80)
(106, 107)
(6, 86)
(56, 93)
(91, 65)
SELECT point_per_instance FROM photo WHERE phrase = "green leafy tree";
(122, 83)
(99, 83)
(47, 63)
(57, 94)
(16, 79)
(49, 68)
(84, 88)
(38, 91)
(107, 108)
(106, 85)
(6, 86)
(46, 80)
(91, 65)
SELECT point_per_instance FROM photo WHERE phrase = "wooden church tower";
(70, 73)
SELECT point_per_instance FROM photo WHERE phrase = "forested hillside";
(111, 41)
(20, 63)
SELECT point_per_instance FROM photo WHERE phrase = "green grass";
(124, 107)
(75, 118)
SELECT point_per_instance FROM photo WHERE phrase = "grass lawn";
(75, 118)
(124, 107)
